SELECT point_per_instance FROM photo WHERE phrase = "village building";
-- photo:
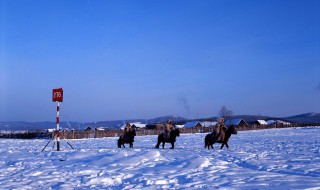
(271, 122)
(179, 126)
(192, 124)
(236, 122)
(99, 129)
(261, 122)
(137, 125)
(278, 122)
(283, 123)
(208, 123)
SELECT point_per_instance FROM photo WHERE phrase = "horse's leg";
(163, 144)
(131, 145)
(206, 143)
(222, 145)
(119, 144)
(227, 145)
(158, 144)
(172, 145)
(159, 141)
(212, 146)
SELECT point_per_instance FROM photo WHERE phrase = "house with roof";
(137, 125)
(236, 122)
(271, 122)
(179, 126)
(283, 123)
(261, 122)
(192, 124)
(208, 123)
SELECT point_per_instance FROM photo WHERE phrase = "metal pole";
(46, 145)
(58, 126)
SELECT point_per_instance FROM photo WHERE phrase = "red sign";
(57, 95)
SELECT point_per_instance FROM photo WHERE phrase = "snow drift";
(263, 159)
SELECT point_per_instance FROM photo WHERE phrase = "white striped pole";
(58, 126)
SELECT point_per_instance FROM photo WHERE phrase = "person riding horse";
(168, 128)
(127, 129)
(219, 131)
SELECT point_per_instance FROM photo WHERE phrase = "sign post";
(57, 96)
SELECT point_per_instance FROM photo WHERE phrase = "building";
(192, 124)
(138, 125)
(179, 126)
(261, 122)
(283, 123)
(208, 123)
(236, 122)
(271, 122)
(275, 122)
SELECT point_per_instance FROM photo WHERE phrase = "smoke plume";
(184, 101)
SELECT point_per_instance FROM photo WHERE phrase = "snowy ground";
(264, 159)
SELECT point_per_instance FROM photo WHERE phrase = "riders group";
(218, 134)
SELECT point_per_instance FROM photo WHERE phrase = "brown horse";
(210, 140)
(173, 134)
(127, 138)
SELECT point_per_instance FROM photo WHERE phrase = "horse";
(162, 139)
(127, 138)
(209, 139)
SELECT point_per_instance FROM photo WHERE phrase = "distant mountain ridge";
(116, 124)
(305, 118)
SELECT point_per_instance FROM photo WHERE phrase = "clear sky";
(143, 59)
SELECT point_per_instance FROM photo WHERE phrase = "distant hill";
(164, 119)
(116, 124)
(22, 125)
(305, 118)
(247, 118)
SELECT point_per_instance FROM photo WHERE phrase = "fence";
(140, 132)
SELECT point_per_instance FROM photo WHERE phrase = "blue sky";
(144, 59)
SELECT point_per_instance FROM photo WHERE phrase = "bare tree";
(225, 113)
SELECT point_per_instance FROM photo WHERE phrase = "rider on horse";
(219, 131)
(168, 128)
(127, 129)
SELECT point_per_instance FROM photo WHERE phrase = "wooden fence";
(143, 132)
(140, 132)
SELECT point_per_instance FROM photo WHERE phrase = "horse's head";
(175, 133)
(232, 130)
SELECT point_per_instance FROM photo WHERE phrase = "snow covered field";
(263, 159)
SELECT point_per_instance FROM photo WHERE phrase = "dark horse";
(127, 138)
(173, 134)
(209, 140)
